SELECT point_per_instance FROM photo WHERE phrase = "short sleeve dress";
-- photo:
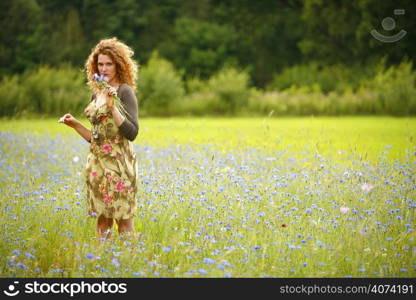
(111, 171)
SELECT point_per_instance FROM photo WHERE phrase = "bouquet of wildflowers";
(102, 83)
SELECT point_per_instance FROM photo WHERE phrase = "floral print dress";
(111, 170)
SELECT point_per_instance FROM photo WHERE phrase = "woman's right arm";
(70, 121)
(83, 131)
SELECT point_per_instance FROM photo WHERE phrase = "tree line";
(202, 37)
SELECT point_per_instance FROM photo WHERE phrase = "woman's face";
(107, 66)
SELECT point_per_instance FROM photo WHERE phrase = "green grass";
(361, 136)
(214, 196)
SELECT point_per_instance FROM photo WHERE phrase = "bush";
(160, 87)
(53, 92)
(338, 77)
(56, 91)
(44, 91)
(230, 88)
(394, 89)
(11, 96)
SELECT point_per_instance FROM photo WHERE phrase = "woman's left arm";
(128, 126)
(118, 117)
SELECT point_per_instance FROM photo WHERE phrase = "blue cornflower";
(227, 263)
(202, 271)
(216, 252)
(16, 252)
(21, 266)
(90, 256)
(208, 261)
(115, 262)
(29, 255)
(166, 249)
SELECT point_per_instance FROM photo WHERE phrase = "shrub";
(44, 91)
(337, 77)
(394, 89)
(56, 91)
(160, 87)
(230, 88)
(11, 96)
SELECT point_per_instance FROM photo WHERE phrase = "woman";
(111, 171)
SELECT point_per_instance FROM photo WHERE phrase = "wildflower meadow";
(218, 197)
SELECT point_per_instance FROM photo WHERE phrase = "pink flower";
(344, 209)
(107, 199)
(120, 186)
(367, 187)
(118, 155)
(94, 173)
(110, 179)
(107, 148)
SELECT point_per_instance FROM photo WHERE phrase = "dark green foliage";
(304, 45)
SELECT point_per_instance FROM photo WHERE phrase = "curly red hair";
(121, 54)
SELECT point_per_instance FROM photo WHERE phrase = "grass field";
(290, 197)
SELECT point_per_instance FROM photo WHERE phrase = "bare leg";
(104, 226)
(125, 227)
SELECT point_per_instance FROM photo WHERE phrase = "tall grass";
(299, 90)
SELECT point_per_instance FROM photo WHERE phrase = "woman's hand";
(111, 91)
(69, 120)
